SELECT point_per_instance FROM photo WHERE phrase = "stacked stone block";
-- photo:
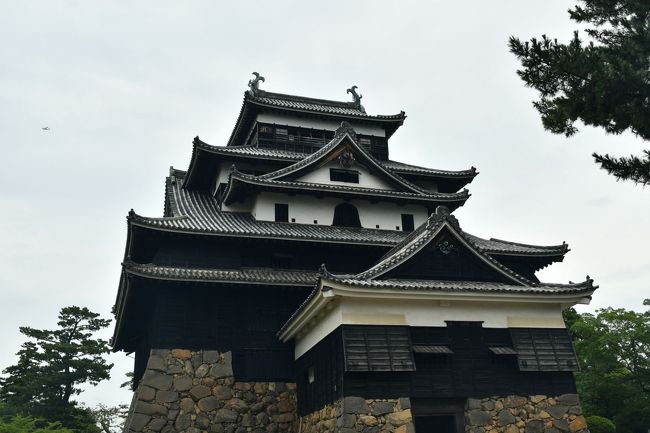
(358, 415)
(183, 391)
(519, 414)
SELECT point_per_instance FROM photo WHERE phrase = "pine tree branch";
(634, 168)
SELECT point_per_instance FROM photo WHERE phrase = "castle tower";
(302, 281)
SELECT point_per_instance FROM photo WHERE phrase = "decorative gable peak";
(441, 236)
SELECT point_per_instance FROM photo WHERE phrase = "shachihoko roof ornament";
(254, 84)
(356, 98)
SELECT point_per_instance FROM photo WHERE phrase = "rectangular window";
(377, 348)
(281, 131)
(281, 212)
(407, 222)
(543, 349)
(338, 175)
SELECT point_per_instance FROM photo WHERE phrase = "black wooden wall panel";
(242, 319)
(471, 371)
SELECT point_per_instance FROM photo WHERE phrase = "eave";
(331, 289)
(253, 105)
(206, 156)
(241, 186)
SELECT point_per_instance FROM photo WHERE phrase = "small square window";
(281, 212)
(407, 222)
(315, 221)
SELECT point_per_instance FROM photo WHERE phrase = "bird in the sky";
(45, 128)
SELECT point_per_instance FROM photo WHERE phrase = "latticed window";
(377, 348)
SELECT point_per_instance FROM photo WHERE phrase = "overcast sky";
(125, 86)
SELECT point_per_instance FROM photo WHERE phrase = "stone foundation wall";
(519, 414)
(183, 391)
(358, 415)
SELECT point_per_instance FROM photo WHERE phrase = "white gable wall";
(331, 125)
(305, 209)
(366, 178)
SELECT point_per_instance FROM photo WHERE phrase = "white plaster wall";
(330, 125)
(366, 178)
(223, 173)
(321, 329)
(245, 206)
(305, 209)
(434, 313)
(429, 313)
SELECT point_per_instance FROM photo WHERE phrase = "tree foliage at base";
(603, 83)
(51, 367)
(613, 347)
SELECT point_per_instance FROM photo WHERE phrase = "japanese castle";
(302, 281)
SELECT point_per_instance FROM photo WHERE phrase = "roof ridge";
(563, 245)
(264, 93)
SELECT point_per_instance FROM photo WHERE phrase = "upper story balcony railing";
(308, 140)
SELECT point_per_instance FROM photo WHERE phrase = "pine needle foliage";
(602, 82)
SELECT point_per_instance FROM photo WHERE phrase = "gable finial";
(356, 98)
(254, 84)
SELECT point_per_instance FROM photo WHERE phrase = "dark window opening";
(282, 212)
(407, 222)
(435, 424)
(339, 175)
(346, 215)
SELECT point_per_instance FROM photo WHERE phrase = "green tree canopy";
(52, 365)
(604, 82)
(613, 347)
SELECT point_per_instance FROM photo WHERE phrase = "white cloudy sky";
(125, 86)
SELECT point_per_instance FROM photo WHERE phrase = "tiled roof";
(290, 157)
(344, 136)
(424, 234)
(325, 106)
(194, 212)
(436, 286)
(498, 246)
(229, 195)
(245, 275)
(190, 211)
(403, 168)
(465, 286)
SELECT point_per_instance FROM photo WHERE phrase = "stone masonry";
(532, 414)
(358, 415)
(183, 391)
